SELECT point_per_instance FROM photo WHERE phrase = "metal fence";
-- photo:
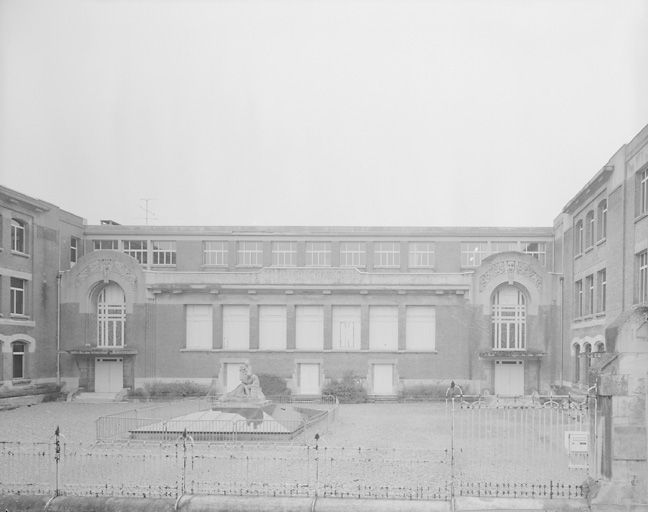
(163, 423)
(507, 448)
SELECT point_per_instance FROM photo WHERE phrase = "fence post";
(57, 456)
(316, 463)
(452, 458)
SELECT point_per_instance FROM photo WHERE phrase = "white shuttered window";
(383, 328)
(199, 326)
(420, 328)
(310, 327)
(236, 327)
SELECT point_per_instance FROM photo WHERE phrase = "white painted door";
(383, 379)
(309, 375)
(109, 374)
(232, 375)
(509, 378)
(383, 328)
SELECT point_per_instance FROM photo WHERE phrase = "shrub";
(156, 390)
(348, 390)
(273, 385)
(423, 392)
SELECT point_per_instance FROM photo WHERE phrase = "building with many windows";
(509, 310)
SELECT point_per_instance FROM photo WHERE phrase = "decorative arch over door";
(508, 314)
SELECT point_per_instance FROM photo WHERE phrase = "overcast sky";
(317, 112)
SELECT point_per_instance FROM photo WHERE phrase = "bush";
(423, 392)
(157, 390)
(52, 391)
(273, 385)
(348, 390)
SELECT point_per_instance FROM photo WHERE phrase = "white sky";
(317, 112)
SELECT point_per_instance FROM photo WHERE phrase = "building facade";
(395, 307)
(37, 241)
(508, 310)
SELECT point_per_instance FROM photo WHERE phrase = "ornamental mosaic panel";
(510, 268)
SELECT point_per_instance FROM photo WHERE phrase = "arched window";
(576, 362)
(18, 360)
(602, 219)
(586, 362)
(578, 238)
(509, 318)
(589, 229)
(111, 316)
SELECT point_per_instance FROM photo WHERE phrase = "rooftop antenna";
(146, 209)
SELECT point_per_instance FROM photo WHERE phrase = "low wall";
(187, 503)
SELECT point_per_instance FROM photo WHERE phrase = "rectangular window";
(472, 253)
(346, 327)
(17, 296)
(642, 183)
(602, 220)
(284, 254)
(215, 253)
(318, 254)
(310, 328)
(199, 326)
(272, 328)
(236, 327)
(105, 245)
(503, 246)
(420, 328)
(74, 249)
(164, 252)
(18, 236)
(387, 254)
(589, 288)
(536, 249)
(601, 282)
(421, 254)
(643, 277)
(353, 254)
(250, 254)
(578, 298)
(383, 328)
(137, 249)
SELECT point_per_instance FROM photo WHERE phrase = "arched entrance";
(508, 319)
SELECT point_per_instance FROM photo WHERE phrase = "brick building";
(511, 310)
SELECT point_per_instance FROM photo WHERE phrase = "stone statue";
(248, 389)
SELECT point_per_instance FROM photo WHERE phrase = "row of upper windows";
(590, 294)
(592, 229)
(316, 254)
(20, 238)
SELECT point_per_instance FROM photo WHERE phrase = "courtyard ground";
(401, 426)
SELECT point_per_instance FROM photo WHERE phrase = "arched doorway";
(509, 332)
(111, 322)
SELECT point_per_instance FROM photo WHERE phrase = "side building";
(396, 307)
(37, 241)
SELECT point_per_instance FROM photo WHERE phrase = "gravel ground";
(406, 426)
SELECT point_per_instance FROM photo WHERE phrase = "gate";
(536, 446)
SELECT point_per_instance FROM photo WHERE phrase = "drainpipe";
(59, 275)
(562, 329)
